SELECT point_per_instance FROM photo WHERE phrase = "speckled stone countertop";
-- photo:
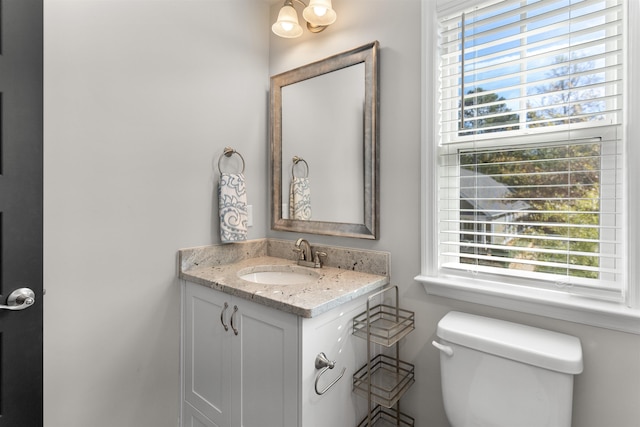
(347, 274)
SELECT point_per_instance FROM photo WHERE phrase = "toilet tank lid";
(526, 344)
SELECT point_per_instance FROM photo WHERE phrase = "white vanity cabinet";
(243, 375)
(266, 375)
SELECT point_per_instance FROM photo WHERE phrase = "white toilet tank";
(502, 374)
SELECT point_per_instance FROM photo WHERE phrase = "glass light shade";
(319, 13)
(287, 24)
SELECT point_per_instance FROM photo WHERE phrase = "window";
(531, 146)
(549, 210)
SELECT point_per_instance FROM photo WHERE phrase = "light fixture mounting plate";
(315, 28)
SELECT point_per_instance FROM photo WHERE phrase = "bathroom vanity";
(249, 349)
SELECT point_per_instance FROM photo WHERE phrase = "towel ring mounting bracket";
(228, 152)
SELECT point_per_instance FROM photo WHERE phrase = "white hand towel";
(232, 204)
(300, 199)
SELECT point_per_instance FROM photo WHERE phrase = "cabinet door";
(207, 357)
(265, 364)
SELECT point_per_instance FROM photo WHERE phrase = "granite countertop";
(332, 287)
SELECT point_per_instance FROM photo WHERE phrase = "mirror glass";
(324, 160)
(327, 141)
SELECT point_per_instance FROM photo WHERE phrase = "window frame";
(509, 292)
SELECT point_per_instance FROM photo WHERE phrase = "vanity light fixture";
(318, 14)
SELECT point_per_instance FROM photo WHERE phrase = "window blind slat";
(530, 262)
(521, 250)
(451, 27)
(507, 211)
(451, 51)
(573, 117)
(607, 116)
(563, 239)
(526, 85)
(557, 72)
(602, 289)
(527, 224)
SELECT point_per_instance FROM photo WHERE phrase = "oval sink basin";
(278, 275)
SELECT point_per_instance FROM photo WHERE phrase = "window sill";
(539, 302)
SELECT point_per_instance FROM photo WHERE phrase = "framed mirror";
(324, 146)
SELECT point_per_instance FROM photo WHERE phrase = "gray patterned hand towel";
(232, 203)
(300, 199)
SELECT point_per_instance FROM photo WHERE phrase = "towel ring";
(228, 152)
(324, 365)
(297, 160)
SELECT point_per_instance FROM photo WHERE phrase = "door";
(21, 212)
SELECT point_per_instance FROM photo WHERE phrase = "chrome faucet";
(306, 256)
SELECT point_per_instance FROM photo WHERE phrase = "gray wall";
(141, 97)
(606, 394)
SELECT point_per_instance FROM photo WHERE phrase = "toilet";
(502, 374)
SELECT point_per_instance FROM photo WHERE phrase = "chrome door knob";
(19, 299)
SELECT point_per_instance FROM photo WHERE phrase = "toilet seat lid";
(534, 346)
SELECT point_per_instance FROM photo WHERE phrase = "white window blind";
(531, 146)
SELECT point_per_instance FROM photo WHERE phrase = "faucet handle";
(317, 260)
